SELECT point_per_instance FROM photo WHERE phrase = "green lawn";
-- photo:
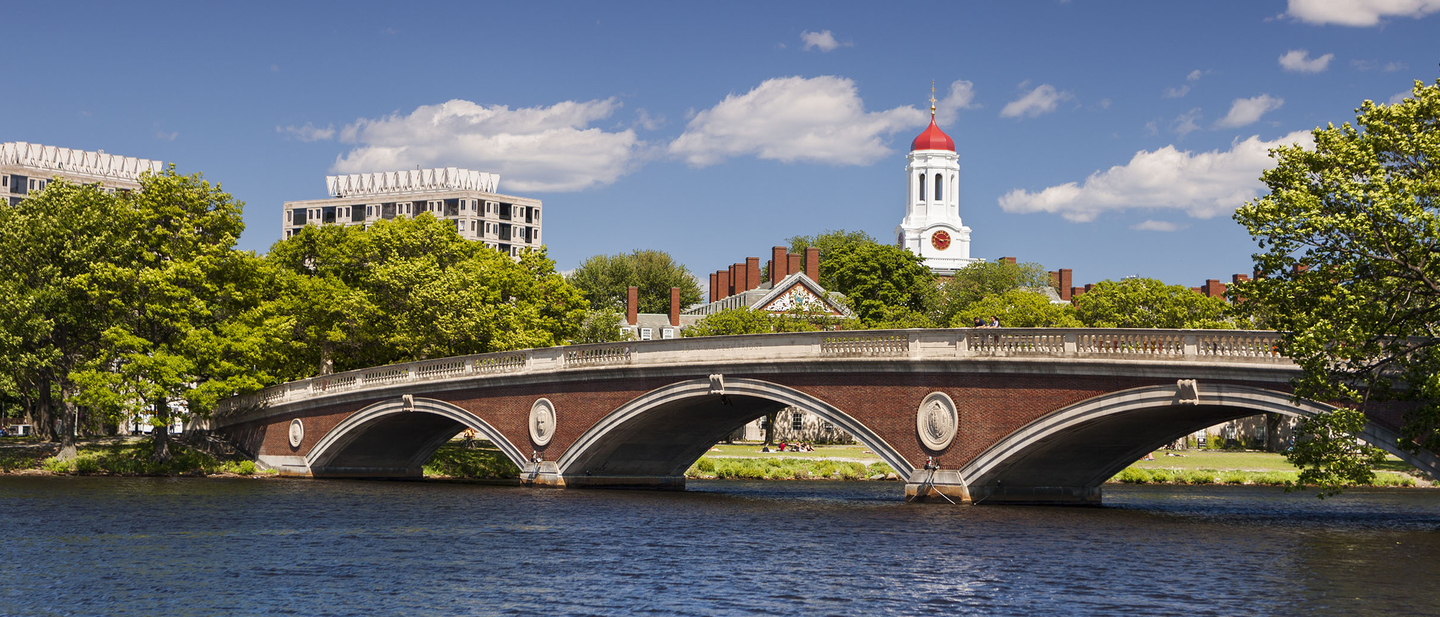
(855, 453)
(1221, 460)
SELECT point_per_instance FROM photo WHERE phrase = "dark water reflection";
(106, 546)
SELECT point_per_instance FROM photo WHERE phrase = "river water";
(145, 546)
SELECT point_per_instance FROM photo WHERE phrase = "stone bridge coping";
(1119, 344)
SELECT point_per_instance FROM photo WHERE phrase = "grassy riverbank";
(481, 461)
(1244, 467)
(117, 456)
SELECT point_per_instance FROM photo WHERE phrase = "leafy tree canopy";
(1018, 308)
(1149, 303)
(1350, 264)
(878, 280)
(984, 279)
(749, 321)
(828, 243)
(606, 279)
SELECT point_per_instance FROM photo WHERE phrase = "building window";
(645, 334)
(829, 426)
(472, 226)
(938, 183)
(797, 421)
(667, 333)
(4, 182)
(922, 187)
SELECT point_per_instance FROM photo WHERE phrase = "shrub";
(802, 474)
(1234, 477)
(1198, 476)
(1384, 478)
(1134, 475)
(55, 465)
(880, 468)
(705, 466)
(1162, 476)
(87, 464)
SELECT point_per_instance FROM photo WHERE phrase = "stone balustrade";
(1198, 346)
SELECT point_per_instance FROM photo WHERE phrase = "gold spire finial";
(932, 99)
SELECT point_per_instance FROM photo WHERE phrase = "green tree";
(1148, 303)
(51, 321)
(600, 326)
(1350, 270)
(606, 279)
(981, 280)
(1018, 308)
(879, 281)
(829, 243)
(177, 283)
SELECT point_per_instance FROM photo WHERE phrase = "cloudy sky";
(1113, 138)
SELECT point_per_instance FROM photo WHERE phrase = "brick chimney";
(778, 263)
(1010, 260)
(792, 263)
(632, 306)
(714, 278)
(722, 285)
(738, 280)
(674, 306)
(752, 273)
(812, 263)
(1213, 288)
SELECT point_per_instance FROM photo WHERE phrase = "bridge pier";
(936, 485)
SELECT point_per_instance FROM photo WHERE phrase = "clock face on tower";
(940, 240)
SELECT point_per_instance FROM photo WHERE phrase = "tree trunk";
(67, 423)
(44, 424)
(1272, 431)
(162, 431)
(770, 427)
(327, 357)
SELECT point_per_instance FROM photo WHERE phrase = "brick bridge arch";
(1066, 455)
(652, 439)
(397, 435)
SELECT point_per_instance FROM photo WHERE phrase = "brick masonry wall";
(990, 407)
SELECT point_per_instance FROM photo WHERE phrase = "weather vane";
(932, 98)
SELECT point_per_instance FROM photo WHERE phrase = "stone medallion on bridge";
(937, 421)
(542, 422)
(297, 432)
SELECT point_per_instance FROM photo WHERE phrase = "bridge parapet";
(1197, 346)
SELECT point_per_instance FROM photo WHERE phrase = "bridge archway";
(1065, 456)
(652, 439)
(394, 438)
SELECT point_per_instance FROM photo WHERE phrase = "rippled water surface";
(111, 546)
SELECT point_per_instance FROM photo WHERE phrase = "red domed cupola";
(932, 139)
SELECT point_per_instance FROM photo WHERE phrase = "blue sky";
(716, 131)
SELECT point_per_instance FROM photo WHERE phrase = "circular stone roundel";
(542, 421)
(940, 240)
(297, 432)
(937, 421)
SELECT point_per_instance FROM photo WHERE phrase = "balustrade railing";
(865, 345)
(1080, 343)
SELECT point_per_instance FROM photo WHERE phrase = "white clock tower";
(932, 227)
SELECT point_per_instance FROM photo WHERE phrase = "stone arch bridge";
(978, 415)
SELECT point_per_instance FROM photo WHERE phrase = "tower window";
(938, 183)
(922, 187)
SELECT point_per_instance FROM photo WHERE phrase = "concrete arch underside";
(391, 439)
(651, 440)
(1066, 455)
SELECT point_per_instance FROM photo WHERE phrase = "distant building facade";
(468, 199)
(26, 169)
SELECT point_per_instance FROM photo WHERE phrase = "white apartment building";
(466, 198)
(26, 168)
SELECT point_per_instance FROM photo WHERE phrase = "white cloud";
(309, 132)
(1359, 13)
(1152, 128)
(1399, 97)
(1391, 67)
(644, 120)
(1042, 100)
(1175, 93)
(533, 148)
(788, 119)
(1248, 111)
(1202, 185)
(1158, 226)
(960, 96)
(1193, 76)
(1185, 123)
(1299, 61)
(823, 40)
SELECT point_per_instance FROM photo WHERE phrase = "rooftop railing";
(1199, 346)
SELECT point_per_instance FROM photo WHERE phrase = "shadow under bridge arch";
(1066, 455)
(393, 439)
(651, 440)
